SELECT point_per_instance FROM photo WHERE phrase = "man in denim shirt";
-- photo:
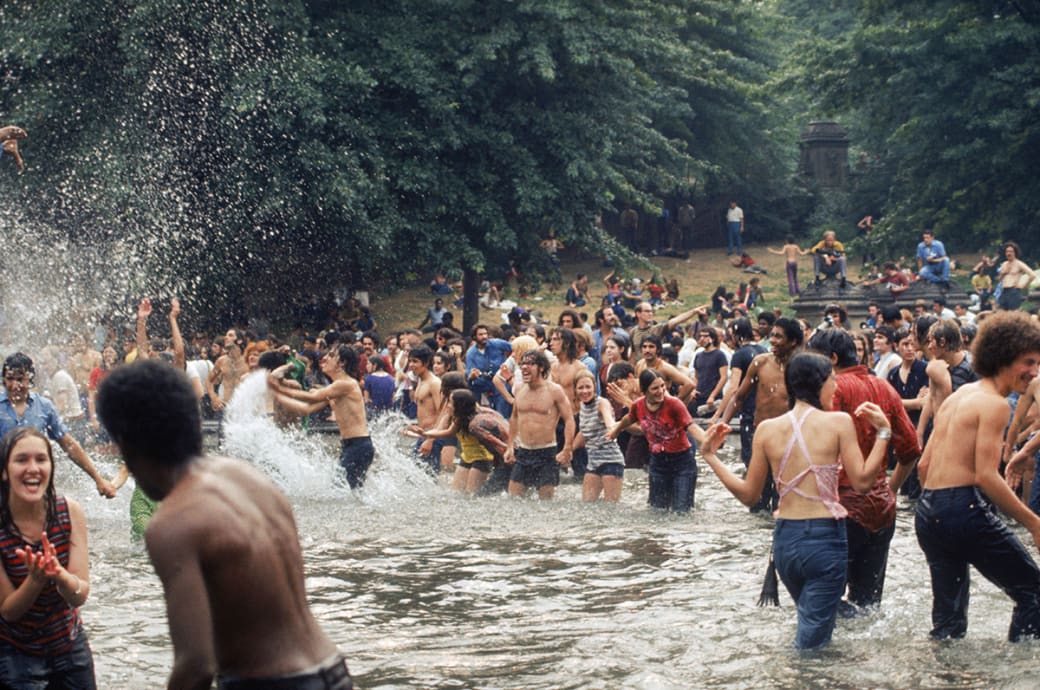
(20, 407)
(483, 360)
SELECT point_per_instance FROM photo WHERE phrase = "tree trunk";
(470, 299)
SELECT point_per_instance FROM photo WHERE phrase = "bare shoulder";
(76, 512)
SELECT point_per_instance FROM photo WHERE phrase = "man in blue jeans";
(960, 477)
(932, 262)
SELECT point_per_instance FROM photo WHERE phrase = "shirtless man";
(227, 371)
(539, 404)
(948, 369)
(563, 343)
(345, 399)
(765, 376)
(9, 136)
(651, 351)
(427, 399)
(236, 600)
(960, 477)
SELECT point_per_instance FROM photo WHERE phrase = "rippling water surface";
(423, 588)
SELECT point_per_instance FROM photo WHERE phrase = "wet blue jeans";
(811, 559)
(673, 480)
(73, 670)
(355, 457)
(956, 527)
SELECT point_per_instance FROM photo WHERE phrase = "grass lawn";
(698, 278)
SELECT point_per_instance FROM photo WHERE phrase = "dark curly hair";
(1002, 338)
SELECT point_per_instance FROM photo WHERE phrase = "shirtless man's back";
(223, 543)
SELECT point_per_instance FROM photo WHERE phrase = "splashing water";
(307, 464)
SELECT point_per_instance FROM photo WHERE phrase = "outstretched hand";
(715, 438)
(144, 310)
(1019, 468)
(175, 308)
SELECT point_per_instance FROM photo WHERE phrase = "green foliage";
(941, 97)
(254, 153)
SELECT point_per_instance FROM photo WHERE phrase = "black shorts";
(479, 465)
(536, 467)
(331, 675)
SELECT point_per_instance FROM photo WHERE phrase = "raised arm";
(862, 472)
(144, 310)
(687, 315)
(175, 334)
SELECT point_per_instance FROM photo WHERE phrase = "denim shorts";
(609, 469)
(536, 467)
(811, 559)
(73, 669)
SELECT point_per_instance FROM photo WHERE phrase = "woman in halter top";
(804, 450)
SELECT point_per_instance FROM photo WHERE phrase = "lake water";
(422, 588)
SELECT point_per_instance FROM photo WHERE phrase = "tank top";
(471, 448)
(50, 626)
(601, 449)
(826, 475)
(962, 374)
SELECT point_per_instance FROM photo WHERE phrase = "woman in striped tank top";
(45, 578)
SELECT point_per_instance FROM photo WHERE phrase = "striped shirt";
(51, 625)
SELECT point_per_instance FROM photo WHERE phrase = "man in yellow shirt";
(828, 258)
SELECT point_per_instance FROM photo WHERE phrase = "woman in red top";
(667, 425)
(45, 577)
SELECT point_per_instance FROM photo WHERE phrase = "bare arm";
(563, 408)
(862, 472)
(749, 489)
(79, 456)
(686, 316)
(175, 334)
(1021, 410)
(723, 375)
(144, 310)
(744, 391)
(175, 558)
(992, 420)
(735, 378)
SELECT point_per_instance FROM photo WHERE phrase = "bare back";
(225, 546)
(822, 432)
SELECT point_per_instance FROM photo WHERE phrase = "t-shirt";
(734, 215)
(665, 428)
(380, 389)
(706, 366)
(742, 360)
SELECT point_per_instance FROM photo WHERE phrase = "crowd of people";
(832, 422)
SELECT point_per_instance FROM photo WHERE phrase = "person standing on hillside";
(735, 228)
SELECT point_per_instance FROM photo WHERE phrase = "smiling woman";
(45, 578)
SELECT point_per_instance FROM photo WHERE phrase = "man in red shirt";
(872, 516)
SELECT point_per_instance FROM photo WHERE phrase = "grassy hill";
(698, 278)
